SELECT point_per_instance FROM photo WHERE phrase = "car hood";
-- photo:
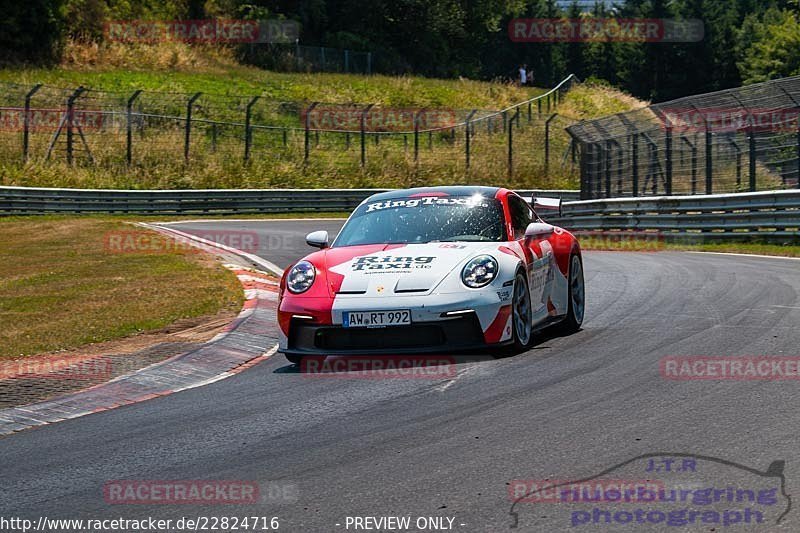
(405, 269)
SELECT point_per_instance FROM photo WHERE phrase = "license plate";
(376, 319)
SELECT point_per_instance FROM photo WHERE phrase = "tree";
(31, 31)
(774, 47)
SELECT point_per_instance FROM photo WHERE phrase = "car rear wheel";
(577, 297)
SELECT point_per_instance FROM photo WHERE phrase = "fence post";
(416, 134)
(608, 168)
(709, 159)
(511, 143)
(71, 119)
(548, 103)
(635, 164)
(620, 161)
(213, 137)
(369, 62)
(586, 159)
(188, 132)
(582, 164)
(505, 120)
(467, 135)
(129, 127)
(306, 141)
(363, 128)
(751, 141)
(530, 112)
(26, 121)
(547, 143)
(693, 147)
(248, 131)
(347, 61)
(668, 162)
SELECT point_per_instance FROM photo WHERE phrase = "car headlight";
(301, 277)
(479, 272)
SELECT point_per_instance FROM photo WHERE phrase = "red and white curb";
(229, 353)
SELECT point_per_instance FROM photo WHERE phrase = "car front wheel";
(521, 313)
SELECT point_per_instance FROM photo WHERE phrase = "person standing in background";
(523, 75)
(529, 75)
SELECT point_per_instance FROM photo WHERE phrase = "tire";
(296, 359)
(521, 318)
(576, 297)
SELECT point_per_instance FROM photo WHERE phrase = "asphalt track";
(568, 409)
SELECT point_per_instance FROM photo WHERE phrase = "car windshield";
(424, 219)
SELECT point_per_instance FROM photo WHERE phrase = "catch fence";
(737, 140)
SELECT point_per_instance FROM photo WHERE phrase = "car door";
(538, 252)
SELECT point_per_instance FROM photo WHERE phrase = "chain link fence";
(304, 58)
(118, 131)
(744, 139)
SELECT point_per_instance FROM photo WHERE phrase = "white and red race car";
(429, 270)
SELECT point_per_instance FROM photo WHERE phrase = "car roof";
(450, 190)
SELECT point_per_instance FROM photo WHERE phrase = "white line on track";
(749, 255)
(209, 220)
(268, 265)
(266, 355)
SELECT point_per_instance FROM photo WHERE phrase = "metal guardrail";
(773, 215)
(37, 201)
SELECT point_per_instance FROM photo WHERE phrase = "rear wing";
(547, 206)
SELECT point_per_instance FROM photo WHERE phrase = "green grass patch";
(239, 80)
(61, 287)
(277, 155)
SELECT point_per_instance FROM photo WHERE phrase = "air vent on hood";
(405, 291)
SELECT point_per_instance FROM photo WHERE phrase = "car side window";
(521, 216)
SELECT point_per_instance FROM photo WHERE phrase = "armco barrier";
(37, 201)
(772, 216)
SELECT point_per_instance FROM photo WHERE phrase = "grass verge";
(62, 287)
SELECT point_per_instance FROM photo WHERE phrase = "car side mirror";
(539, 230)
(318, 239)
